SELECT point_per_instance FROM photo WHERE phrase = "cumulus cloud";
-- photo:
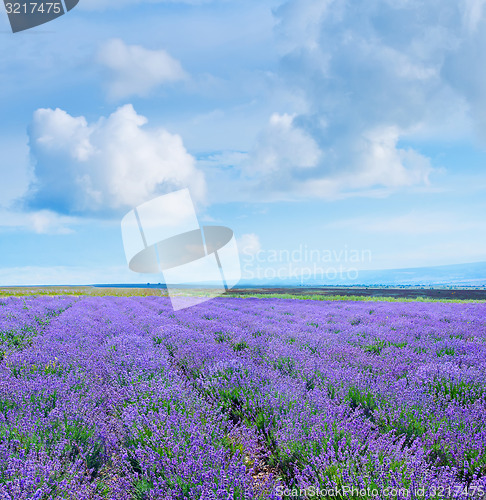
(105, 166)
(373, 75)
(464, 68)
(136, 71)
(47, 222)
(287, 161)
(282, 146)
(377, 162)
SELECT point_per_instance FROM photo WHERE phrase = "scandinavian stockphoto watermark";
(392, 492)
(164, 235)
(304, 264)
(25, 14)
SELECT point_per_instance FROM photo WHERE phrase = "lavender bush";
(121, 398)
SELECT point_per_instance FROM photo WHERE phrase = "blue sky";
(324, 124)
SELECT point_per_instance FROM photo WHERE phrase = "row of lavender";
(89, 409)
(241, 398)
(381, 396)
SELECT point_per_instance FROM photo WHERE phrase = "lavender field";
(121, 398)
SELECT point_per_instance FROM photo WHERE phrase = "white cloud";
(301, 22)
(473, 13)
(287, 162)
(282, 146)
(47, 222)
(380, 162)
(112, 164)
(136, 71)
(249, 244)
(372, 75)
(464, 69)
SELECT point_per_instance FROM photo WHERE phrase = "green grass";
(336, 297)
(129, 292)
